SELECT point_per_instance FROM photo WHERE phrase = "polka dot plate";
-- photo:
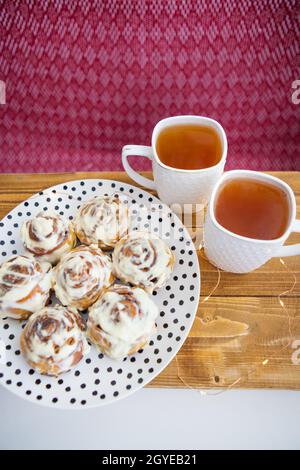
(98, 380)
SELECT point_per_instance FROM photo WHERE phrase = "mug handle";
(290, 250)
(141, 151)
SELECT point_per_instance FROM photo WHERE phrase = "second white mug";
(173, 185)
(238, 254)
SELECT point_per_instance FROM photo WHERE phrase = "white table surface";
(158, 419)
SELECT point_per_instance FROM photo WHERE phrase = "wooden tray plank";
(246, 338)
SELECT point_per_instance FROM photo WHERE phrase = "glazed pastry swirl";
(47, 236)
(53, 340)
(81, 275)
(24, 287)
(143, 260)
(122, 320)
(102, 220)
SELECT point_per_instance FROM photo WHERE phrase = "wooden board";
(242, 336)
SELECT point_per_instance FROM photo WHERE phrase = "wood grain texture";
(242, 337)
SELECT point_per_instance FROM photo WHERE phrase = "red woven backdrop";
(84, 78)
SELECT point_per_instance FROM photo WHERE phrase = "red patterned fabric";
(83, 78)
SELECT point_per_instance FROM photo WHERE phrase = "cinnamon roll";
(102, 220)
(24, 287)
(121, 321)
(47, 236)
(143, 260)
(81, 275)
(53, 340)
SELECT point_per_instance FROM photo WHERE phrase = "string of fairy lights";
(201, 389)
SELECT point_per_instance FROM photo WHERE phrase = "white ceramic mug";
(176, 186)
(238, 254)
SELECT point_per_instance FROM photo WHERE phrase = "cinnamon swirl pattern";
(143, 260)
(24, 287)
(47, 236)
(121, 321)
(53, 340)
(81, 275)
(102, 220)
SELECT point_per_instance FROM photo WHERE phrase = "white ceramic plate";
(99, 380)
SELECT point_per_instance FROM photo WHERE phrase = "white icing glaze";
(126, 317)
(81, 275)
(53, 340)
(102, 220)
(144, 260)
(24, 285)
(47, 236)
